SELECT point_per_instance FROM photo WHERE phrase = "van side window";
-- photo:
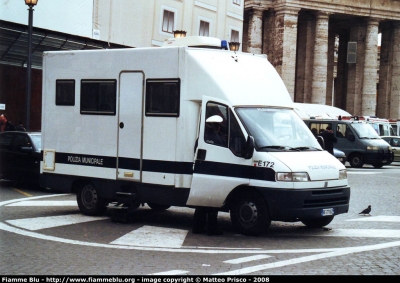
(216, 124)
(236, 138)
(65, 92)
(319, 127)
(98, 97)
(162, 97)
(341, 130)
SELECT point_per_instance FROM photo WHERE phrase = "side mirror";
(248, 149)
(351, 138)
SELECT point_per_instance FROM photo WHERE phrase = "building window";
(162, 97)
(234, 36)
(65, 92)
(168, 21)
(204, 28)
(98, 97)
(237, 2)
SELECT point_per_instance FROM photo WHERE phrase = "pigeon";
(366, 211)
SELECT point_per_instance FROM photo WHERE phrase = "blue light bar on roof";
(224, 44)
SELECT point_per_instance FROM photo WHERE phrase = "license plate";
(327, 211)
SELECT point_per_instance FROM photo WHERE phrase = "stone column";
(370, 69)
(320, 63)
(330, 68)
(285, 46)
(385, 71)
(304, 58)
(355, 71)
(269, 34)
(394, 110)
(341, 74)
(255, 31)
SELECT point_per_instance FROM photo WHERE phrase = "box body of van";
(131, 126)
(358, 140)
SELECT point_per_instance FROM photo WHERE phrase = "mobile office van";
(382, 126)
(130, 126)
(357, 139)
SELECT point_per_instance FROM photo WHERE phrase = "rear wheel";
(317, 222)
(158, 207)
(250, 214)
(89, 201)
(356, 160)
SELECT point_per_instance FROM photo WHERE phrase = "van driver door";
(219, 166)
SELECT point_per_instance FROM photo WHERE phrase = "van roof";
(319, 111)
(194, 41)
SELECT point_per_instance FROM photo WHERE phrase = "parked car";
(340, 155)
(20, 156)
(394, 142)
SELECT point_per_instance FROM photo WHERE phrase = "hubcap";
(89, 196)
(248, 213)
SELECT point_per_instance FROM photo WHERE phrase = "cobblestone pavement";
(34, 240)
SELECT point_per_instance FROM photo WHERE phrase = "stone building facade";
(326, 51)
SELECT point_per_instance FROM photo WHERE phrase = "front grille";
(313, 203)
(327, 192)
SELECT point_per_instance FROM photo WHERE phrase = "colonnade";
(301, 45)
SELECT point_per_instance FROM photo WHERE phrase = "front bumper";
(293, 205)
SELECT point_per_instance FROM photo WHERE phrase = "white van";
(130, 126)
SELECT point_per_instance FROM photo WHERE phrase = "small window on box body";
(162, 97)
(98, 97)
(65, 92)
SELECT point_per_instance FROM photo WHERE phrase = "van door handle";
(121, 125)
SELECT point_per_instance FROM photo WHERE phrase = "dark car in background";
(20, 156)
(340, 155)
(394, 142)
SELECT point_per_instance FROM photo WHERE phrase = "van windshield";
(277, 129)
(365, 131)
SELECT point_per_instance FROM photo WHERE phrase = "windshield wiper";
(273, 147)
(304, 148)
(364, 138)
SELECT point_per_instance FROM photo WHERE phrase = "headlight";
(342, 174)
(372, 147)
(292, 177)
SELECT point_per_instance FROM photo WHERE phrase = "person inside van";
(339, 134)
(329, 139)
(215, 132)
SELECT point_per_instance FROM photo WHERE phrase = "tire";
(89, 202)
(249, 214)
(317, 222)
(377, 165)
(356, 160)
(158, 207)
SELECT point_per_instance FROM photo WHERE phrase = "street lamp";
(31, 4)
(234, 46)
(179, 33)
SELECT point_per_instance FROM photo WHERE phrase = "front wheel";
(317, 222)
(249, 214)
(89, 201)
(356, 160)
